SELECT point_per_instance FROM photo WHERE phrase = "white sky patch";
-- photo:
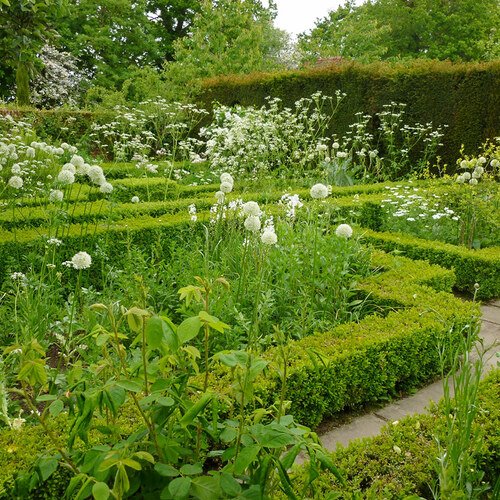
(297, 16)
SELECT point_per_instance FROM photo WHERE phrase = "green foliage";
(399, 462)
(464, 30)
(468, 95)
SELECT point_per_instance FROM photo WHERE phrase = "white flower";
(268, 237)
(225, 177)
(54, 241)
(252, 223)
(473, 182)
(481, 159)
(66, 177)
(342, 154)
(251, 208)
(30, 152)
(460, 179)
(466, 176)
(17, 423)
(192, 209)
(464, 163)
(135, 199)
(335, 145)
(344, 231)
(70, 167)
(319, 191)
(479, 171)
(219, 195)
(77, 161)
(106, 188)
(495, 163)
(96, 175)
(56, 195)
(81, 260)
(226, 187)
(16, 182)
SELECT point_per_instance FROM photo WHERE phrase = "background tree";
(459, 30)
(25, 26)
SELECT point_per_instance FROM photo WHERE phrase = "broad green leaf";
(129, 385)
(188, 329)
(135, 318)
(156, 329)
(33, 372)
(229, 485)
(272, 435)
(56, 407)
(246, 456)
(191, 469)
(166, 470)
(197, 408)
(206, 487)
(144, 455)
(179, 487)
(100, 491)
(46, 467)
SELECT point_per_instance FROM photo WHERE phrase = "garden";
(189, 289)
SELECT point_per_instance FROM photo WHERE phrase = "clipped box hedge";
(373, 469)
(466, 97)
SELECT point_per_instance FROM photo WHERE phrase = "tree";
(459, 30)
(25, 26)
(227, 37)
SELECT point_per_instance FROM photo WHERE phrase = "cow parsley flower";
(81, 260)
(252, 223)
(344, 231)
(319, 191)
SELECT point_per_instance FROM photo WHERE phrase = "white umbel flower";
(225, 177)
(251, 208)
(135, 199)
(319, 191)
(77, 161)
(252, 223)
(70, 167)
(16, 182)
(344, 231)
(268, 237)
(81, 260)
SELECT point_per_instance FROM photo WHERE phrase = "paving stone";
(366, 426)
(491, 314)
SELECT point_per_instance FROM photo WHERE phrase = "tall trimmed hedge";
(466, 97)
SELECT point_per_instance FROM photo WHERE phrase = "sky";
(296, 16)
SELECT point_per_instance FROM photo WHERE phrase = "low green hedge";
(379, 357)
(372, 468)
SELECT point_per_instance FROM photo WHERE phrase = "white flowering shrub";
(153, 129)
(382, 147)
(270, 138)
(60, 82)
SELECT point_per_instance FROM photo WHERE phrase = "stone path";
(370, 424)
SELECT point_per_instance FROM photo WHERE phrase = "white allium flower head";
(56, 195)
(473, 182)
(70, 167)
(81, 260)
(251, 208)
(335, 145)
(466, 175)
(494, 163)
(464, 163)
(96, 174)
(479, 171)
(66, 177)
(30, 152)
(16, 182)
(319, 191)
(344, 231)
(252, 223)
(225, 177)
(268, 237)
(460, 179)
(106, 188)
(226, 187)
(135, 199)
(481, 159)
(220, 196)
(77, 161)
